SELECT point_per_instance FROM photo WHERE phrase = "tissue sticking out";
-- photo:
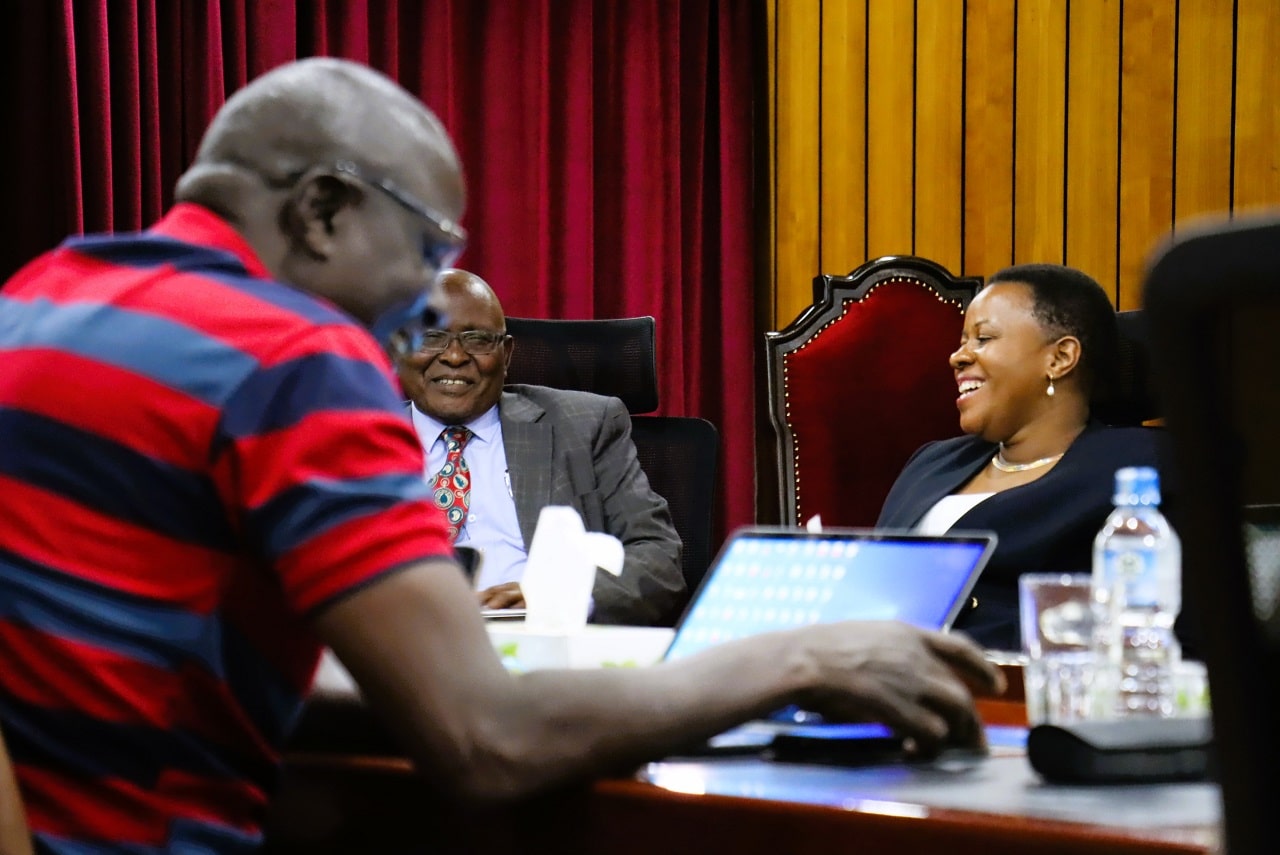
(561, 569)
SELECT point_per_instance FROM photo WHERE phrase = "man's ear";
(509, 348)
(308, 215)
(1065, 356)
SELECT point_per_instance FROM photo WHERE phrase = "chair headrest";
(1130, 396)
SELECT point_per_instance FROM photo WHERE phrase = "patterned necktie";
(452, 484)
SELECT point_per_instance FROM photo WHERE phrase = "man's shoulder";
(560, 400)
(183, 302)
(193, 266)
(196, 243)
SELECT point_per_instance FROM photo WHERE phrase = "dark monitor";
(1212, 303)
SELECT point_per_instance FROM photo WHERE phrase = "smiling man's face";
(453, 385)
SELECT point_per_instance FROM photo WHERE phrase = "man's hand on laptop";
(505, 596)
(918, 682)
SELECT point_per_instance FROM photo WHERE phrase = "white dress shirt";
(491, 524)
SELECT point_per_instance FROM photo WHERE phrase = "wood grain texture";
(1146, 139)
(1093, 139)
(1077, 132)
(797, 99)
(1202, 135)
(766, 189)
(890, 127)
(988, 137)
(1039, 133)
(843, 133)
(939, 167)
(1257, 85)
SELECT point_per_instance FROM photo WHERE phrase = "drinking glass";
(1056, 615)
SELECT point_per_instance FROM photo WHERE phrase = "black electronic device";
(1122, 751)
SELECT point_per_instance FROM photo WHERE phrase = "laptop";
(773, 578)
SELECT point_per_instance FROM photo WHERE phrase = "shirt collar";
(485, 427)
(191, 222)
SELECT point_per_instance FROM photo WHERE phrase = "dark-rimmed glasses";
(473, 342)
(440, 252)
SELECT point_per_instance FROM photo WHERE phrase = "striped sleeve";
(323, 470)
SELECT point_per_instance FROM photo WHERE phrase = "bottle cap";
(1137, 485)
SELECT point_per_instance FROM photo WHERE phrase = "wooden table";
(359, 802)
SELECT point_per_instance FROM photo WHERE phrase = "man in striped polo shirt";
(206, 471)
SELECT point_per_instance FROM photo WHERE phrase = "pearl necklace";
(1003, 465)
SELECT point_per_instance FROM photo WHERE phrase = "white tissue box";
(591, 646)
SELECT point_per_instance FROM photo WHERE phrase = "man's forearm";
(416, 645)
(555, 726)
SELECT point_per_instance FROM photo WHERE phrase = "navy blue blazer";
(1047, 525)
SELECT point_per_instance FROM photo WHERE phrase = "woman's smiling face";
(1002, 364)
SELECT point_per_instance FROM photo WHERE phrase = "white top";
(943, 515)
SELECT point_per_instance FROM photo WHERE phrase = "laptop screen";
(768, 579)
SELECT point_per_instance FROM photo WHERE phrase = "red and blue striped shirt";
(193, 458)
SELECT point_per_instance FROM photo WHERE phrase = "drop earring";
(1050, 390)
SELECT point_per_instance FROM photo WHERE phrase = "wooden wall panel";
(939, 133)
(984, 133)
(1078, 131)
(844, 136)
(1084, 131)
(1257, 148)
(767, 171)
(797, 112)
(890, 127)
(988, 136)
(1092, 142)
(1039, 142)
(1202, 135)
(1146, 138)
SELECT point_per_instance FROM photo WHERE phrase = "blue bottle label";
(1136, 570)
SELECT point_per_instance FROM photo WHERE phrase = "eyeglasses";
(473, 342)
(440, 252)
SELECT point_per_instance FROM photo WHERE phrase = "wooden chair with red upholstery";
(859, 381)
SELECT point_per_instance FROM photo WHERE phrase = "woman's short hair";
(1069, 302)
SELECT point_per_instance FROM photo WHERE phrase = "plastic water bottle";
(1137, 589)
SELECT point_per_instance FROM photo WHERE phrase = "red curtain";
(607, 145)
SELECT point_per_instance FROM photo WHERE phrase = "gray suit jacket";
(574, 448)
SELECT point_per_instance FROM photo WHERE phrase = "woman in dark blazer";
(1032, 467)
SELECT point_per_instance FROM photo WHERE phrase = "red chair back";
(859, 381)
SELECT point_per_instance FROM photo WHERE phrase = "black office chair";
(679, 456)
(611, 356)
(1130, 397)
(1213, 305)
(616, 356)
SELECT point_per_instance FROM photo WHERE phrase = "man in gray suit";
(528, 447)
